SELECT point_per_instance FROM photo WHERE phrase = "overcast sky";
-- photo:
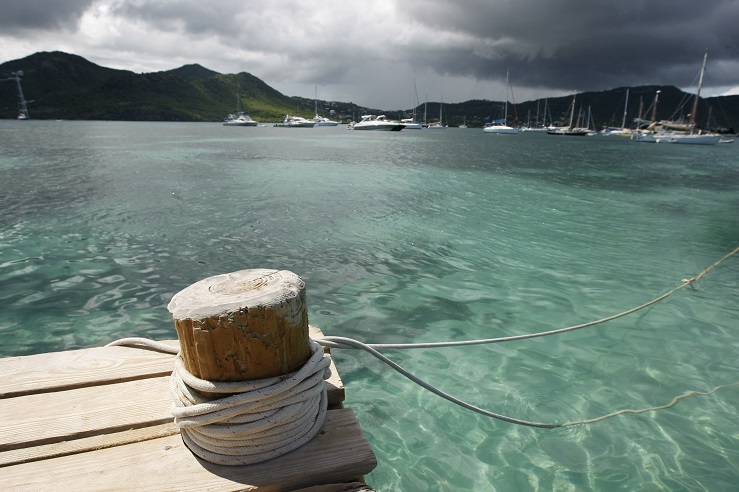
(370, 52)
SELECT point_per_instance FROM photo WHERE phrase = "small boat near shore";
(239, 119)
(411, 124)
(295, 122)
(322, 120)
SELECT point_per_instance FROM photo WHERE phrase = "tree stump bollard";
(241, 326)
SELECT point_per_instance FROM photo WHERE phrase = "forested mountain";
(66, 86)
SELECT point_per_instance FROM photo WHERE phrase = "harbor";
(400, 237)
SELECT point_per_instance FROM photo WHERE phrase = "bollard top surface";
(234, 291)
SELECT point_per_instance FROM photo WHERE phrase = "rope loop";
(258, 420)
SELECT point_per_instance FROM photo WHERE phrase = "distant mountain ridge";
(67, 86)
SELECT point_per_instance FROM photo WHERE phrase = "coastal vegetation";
(67, 86)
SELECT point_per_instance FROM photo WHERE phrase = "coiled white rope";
(258, 420)
(261, 420)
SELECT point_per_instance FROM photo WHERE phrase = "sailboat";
(571, 129)
(666, 131)
(321, 120)
(411, 123)
(541, 127)
(22, 103)
(439, 125)
(623, 131)
(500, 126)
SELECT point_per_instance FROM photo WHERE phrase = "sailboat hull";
(502, 129)
(679, 139)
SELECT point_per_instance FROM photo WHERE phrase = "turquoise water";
(410, 237)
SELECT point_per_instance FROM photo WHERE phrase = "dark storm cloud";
(374, 51)
(41, 14)
(572, 44)
(191, 17)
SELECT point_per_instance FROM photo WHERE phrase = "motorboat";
(377, 123)
(295, 122)
(566, 130)
(411, 124)
(239, 119)
(322, 121)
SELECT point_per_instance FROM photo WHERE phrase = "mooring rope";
(259, 420)
(462, 343)
(203, 430)
(342, 342)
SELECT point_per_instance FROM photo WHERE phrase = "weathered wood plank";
(58, 371)
(338, 453)
(92, 443)
(46, 418)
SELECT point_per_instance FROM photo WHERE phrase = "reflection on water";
(412, 237)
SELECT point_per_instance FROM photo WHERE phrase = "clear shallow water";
(409, 237)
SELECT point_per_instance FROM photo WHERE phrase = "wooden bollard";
(245, 325)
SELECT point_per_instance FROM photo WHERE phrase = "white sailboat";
(666, 131)
(500, 126)
(623, 131)
(540, 127)
(571, 129)
(22, 102)
(439, 125)
(411, 123)
(321, 120)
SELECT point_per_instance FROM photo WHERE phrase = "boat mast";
(23, 113)
(654, 109)
(572, 111)
(698, 94)
(505, 112)
(425, 103)
(22, 103)
(626, 105)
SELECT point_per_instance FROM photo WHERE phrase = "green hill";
(65, 86)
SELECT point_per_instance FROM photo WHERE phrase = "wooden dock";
(99, 419)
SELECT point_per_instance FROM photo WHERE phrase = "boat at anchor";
(373, 122)
(677, 132)
(295, 122)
